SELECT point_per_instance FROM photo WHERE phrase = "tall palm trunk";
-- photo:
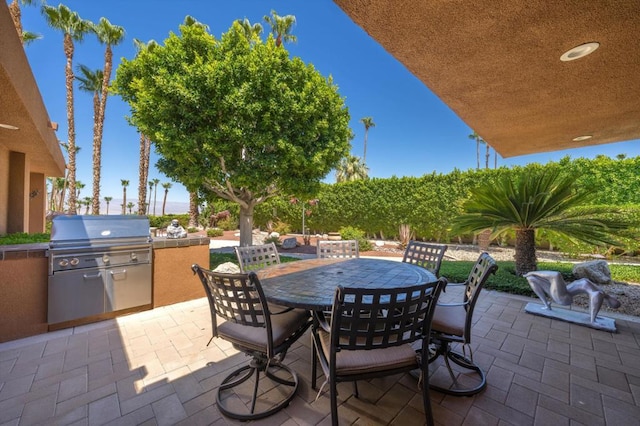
(364, 155)
(71, 178)
(193, 209)
(16, 16)
(145, 144)
(97, 158)
(486, 156)
(525, 256)
(164, 201)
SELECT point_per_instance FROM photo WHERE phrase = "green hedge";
(430, 202)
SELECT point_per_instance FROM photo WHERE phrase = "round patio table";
(311, 284)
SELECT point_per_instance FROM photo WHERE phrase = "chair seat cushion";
(449, 320)
(373, 360)
(255, 338)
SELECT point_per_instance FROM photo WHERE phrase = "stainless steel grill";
(98, 264)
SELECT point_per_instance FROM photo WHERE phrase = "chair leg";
(444, 350)
(426, 398)
(257, 366)
(314, 363)
(334, 402)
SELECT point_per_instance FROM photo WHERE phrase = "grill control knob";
(134, 256)
(74, 262)
(105, 259)
(64, 263)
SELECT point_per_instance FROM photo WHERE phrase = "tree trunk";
(193, 209)
(246, 225)
(16, 16)
(486, 156)
(525, 255)
(69, 78)
(164, 202)
(142, 175)
(97, 156)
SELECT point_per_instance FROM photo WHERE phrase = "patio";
(154, 368)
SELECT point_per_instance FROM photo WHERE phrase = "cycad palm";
(544, 200)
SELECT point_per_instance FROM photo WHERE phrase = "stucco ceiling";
(496, 63)
(21, 106)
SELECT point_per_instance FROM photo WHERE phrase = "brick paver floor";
(154, 368)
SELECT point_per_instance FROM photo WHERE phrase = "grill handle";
(91, 277)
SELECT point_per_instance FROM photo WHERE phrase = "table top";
(310, 284)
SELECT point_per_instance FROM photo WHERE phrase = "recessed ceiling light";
(8, 126)
(579, 51)
(582, 138)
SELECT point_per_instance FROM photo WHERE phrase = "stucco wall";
(173, 279)
(4, 188)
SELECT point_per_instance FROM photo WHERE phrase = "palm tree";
(124, 183)
(86, 202)
(474, 136)
(351, 168)
(143, 173)
(109, 35)
(108, 200)
(130, 206)
(281, 27)
(16, 15)
(538, 200)
(368, 122)
(74, 28)
(91, 82)
(156, 181)
(166, 187)
(150, 194)
(251, 31)
(79, 187)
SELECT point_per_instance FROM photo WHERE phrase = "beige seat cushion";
(282, 325)
(362, 361)
(449, 320)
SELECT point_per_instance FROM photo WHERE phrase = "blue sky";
(415, 132)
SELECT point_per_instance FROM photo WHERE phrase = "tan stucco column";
(37, 202)
(17, 218)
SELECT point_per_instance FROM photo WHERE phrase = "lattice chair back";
(427, 255)
(338, 249)
(253, 258)
(371, 333)
(252, 327)
(482, 269)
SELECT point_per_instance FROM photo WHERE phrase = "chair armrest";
(322, 321)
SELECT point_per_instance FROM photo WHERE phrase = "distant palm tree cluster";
(479, 141)
(353, 167)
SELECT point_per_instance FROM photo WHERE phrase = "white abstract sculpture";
(550, 285)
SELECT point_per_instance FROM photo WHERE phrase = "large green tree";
(236, 117)
(534, 200)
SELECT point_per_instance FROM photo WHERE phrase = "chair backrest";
(380, 318)
(252, 258)
(338, 249)
(484, 266)
(429, 256)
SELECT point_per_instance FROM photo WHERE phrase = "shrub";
(351, 233)
(282, 228)
(273, 239)
(191, 230)
(215, 232)
(229, 224)
(24, 238)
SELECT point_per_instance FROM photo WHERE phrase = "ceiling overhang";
(22, 107)
(496, 63)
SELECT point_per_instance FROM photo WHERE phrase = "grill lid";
(90, 230)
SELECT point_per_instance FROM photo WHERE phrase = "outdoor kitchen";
(94, 268)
